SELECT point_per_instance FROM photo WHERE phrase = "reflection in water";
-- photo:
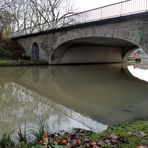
(139, 71)
(21, 106)
(70, 96)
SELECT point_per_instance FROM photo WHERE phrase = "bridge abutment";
(88, 54)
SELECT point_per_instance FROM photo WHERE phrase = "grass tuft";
(6, 141)
(40, 130)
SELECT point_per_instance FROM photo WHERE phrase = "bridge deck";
(121, 9)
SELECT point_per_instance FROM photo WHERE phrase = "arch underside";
(92, 50)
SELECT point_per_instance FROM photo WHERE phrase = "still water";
(78, 96)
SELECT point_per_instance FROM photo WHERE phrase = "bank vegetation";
(126, 135)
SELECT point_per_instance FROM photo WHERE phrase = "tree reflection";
(20, 105)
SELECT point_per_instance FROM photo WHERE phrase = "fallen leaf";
(68, 145)
(142, 133)
(140, 146)
(92, 145)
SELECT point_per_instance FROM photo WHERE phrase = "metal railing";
(123, 8)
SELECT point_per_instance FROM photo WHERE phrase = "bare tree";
(27, 16)
(4, 4)
(5, 20)
(51, 13)
(6, 17)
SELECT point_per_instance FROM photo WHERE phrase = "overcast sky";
(90, 4)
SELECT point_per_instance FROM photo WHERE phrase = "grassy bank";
(21, 62)
(127, 135)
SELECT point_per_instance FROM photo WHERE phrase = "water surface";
(78, 96)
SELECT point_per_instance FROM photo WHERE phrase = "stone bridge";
(103, 41)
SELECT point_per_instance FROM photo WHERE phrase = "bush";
(11, 49)
(138, 60)
(26, 57)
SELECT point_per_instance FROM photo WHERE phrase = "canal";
(72, 96)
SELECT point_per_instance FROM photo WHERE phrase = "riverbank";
(21, 62)
(127, 135)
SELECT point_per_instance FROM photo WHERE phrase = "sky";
(82, 5)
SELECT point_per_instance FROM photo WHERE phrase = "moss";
(21, 62)
(129, 135)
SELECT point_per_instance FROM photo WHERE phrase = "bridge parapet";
(123, 8)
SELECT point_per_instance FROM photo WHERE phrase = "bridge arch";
(128, 53)
(35, 51)
(117, 31)
(92, 49)
(131, 29)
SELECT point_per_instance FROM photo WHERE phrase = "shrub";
(26, 57)
(11, 49)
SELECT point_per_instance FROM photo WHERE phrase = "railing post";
(146, 5)
(121, 9)
(101, 14)
(63, 21)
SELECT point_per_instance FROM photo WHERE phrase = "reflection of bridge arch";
(67, 85)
